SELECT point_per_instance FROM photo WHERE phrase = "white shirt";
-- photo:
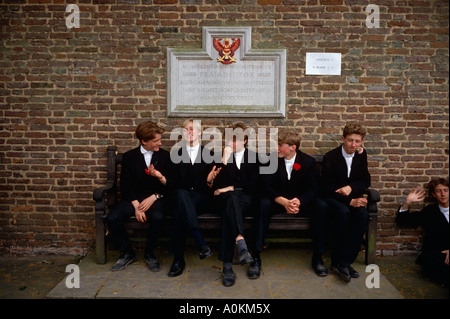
(289, 164)
(348, 159)
(238, 158)
(444, 211)
(193, 151)
(147, 156)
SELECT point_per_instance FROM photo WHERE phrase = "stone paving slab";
(287, 274)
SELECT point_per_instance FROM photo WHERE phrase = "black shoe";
(176, 268)
(206, 252)
(123, 262)
(342, 272)
(245, 257)
(353, 273)
(254, 271)
(228, 277)
(319, 267)
(152, 263)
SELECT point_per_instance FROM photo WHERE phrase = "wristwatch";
(158, 196)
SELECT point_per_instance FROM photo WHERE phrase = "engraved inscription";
(242, 83)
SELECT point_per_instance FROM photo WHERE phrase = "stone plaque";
(226, 77)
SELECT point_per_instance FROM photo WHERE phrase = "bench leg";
(371, 247)
(100, 244)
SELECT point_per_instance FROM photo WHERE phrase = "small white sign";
(323, 63)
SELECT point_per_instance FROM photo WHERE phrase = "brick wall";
(65, 95)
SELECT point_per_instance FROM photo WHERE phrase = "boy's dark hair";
(435, 182)
(241, 126)
(354, 128)
(289, 137)
(147, 131)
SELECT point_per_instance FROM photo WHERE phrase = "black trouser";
(433, 263)
(234, 206)
(266, 209)
(348, 227)
(187, 205)
(319, 226)
(120, 214)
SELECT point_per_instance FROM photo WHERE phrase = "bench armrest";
(99, 197)
(372, 195)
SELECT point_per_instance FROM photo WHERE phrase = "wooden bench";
(107, 196)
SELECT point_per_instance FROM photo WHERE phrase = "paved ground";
(287, 275)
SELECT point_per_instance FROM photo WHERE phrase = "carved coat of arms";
(226, 49)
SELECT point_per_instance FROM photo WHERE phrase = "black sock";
(241, 245)
(227, 265)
